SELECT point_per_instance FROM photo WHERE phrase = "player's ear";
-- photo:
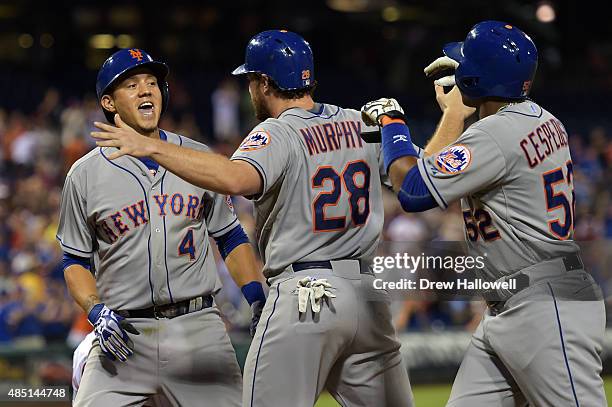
(265, 84)
(108, 103)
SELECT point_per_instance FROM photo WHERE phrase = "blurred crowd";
(37, 149)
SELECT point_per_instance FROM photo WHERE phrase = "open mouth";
(146, 108)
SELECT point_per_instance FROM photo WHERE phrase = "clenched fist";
(372, 112)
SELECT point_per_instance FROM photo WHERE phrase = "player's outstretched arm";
(399, 154)
(205, 169)
(396, 143)
(398, 151)
(450, 127)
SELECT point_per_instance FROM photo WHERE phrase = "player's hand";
(111, 330)
(372, 112)
(440, 65)
(452, 102)
(123, 137)
(256, 310)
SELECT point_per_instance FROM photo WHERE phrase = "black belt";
(571, 263)
(326, 264)
(170, 310)
(307, 265)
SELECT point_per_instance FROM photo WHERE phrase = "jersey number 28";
(358, 191)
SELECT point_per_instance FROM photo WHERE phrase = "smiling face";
(138, 100)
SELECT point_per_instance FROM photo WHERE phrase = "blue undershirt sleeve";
(229, 241)
(70, 259)
(414, 195)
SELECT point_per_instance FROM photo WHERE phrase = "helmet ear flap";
(467, 82)
(470, 82)
(470, 86)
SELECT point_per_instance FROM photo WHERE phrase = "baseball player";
(144, 231)
(538, 344)
(317, 192)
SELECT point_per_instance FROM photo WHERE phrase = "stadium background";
(363, 49)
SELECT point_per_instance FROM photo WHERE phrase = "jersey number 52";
(556, 199)
(356, 180)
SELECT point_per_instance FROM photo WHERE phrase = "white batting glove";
(303, 293)
(372, 111)
(319, 293)
(439, 65)
(315, 290)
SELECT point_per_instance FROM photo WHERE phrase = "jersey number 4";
(558, 200)
(186, 247)
(356, 180)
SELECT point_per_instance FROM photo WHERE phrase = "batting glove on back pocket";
(315, 291)
(111, 330)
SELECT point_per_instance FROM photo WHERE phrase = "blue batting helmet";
(495, 60)
(123, 61)
(283, 56)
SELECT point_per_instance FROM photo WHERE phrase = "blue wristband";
(396, 143)
(253, 291)
(94, 313)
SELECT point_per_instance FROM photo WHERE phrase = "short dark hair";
(505, 100)
(286, 94)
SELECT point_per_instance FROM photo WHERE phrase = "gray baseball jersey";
(148, 234)
(513, 173)
(321, 201)
(320, 181)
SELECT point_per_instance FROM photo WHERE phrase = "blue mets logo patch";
(454, 159)
(255, 140)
